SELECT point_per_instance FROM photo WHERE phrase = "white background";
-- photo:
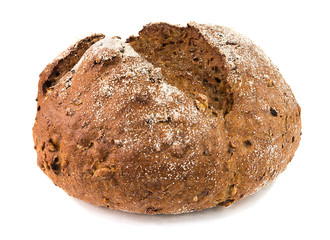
(295, 34)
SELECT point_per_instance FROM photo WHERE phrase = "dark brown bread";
(176, 120)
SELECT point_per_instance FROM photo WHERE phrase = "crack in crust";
(66, 61)
(188, 63)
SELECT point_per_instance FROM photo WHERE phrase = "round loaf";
(175, 120)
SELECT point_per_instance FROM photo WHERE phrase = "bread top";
(111, 114)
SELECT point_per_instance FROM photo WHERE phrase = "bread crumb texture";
(175, 120)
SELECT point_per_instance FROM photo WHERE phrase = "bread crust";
(110, 129)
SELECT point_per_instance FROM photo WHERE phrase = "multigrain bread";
(175, 120)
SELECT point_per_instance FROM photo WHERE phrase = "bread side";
(114, 134)
(264, 125)
(262, 117)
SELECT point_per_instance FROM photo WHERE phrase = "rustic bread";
(175, 120)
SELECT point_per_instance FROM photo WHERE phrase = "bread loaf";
(175, 120)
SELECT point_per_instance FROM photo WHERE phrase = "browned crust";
(110, 130)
